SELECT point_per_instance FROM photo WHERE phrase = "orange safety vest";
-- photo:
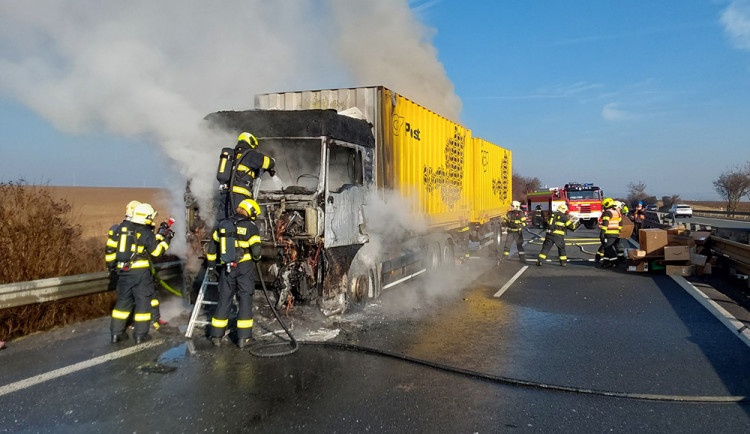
(614, 222)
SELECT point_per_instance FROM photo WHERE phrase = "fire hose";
(259, 351)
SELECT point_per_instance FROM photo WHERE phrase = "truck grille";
(586, 208)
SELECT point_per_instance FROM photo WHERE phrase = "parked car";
(651, 208)
(681, 210)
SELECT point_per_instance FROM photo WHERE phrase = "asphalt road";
(495, 363)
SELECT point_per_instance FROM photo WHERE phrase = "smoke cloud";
(152, 70)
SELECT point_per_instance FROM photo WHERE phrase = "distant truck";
(584, 202)
(339, 155)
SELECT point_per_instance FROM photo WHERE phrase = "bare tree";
(636, 193)
(522, 186)
(732, 185)
(668, 201)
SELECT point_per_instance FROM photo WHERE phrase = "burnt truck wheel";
(359, 290)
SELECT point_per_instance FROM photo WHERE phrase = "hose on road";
(260, 351)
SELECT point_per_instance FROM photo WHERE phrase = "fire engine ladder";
(199, 302)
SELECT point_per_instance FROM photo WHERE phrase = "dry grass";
(58, 231)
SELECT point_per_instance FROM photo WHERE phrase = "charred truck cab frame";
(315, 211)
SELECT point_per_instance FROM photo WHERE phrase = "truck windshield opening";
(297, 164)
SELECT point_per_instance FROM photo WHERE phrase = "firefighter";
(158, 323)
(515, 221)
(619, 248)
(609, 233)
(236, 244)
(557, 225)
(246, 165)
(134, 245)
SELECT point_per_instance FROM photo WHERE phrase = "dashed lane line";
(510, 282)
(57, 373)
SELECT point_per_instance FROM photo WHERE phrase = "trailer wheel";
(498, 240)
(359, 290)
(434, 256)
(449, 254)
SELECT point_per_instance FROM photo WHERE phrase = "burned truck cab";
(312, 222)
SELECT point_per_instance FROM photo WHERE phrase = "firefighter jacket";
(611, 222)
(135, 241)
(559, 223)
(247, 243)
(515, 220)
(247, 167)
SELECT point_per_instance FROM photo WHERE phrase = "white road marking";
(510, 282)
(411, 276)
(41, 378)
(719, 312)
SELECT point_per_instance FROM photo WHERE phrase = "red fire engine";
(584, 202)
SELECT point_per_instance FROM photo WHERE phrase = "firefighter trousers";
(517, 237)
(240, 280)
(557, 240)
(134, 288)
(609, 248)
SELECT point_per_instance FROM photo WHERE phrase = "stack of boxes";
(672, 250)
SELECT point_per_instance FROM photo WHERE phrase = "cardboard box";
(676, 253)
(699, 260)
(636, 254)
(682, 270)
(706, 268)
(652, 241)
(700, 236)
(627, 228)
(638, 266)
(676, 230)
(680, 240)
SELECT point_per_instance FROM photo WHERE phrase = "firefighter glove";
(168, 237)
(272, 172)
(601, 235)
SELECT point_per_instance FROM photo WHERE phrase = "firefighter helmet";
(515, 205)
(562, 208)
(144, 214)
(249, 139)
(251, 207)
(129, 208)
(608, 203)
(618, 204)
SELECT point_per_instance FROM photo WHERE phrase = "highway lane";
(577, 327)
(715, 222)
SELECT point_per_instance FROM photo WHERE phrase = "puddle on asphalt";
(167, 362)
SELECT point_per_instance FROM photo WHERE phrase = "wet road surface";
(578, 327)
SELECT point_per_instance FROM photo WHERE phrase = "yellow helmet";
(144, 214)
(251, 206)
(129, 208)
(249, 139)
(608, 203)
(562, 207)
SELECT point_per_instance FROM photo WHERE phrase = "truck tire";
(434, 256)
(589, 223)
(358, 292)
(448, 254)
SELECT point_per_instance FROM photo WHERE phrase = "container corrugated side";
(492, 184)
(430, 157)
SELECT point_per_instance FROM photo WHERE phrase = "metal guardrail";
(737, 253)
(58, 288)
(723, 214)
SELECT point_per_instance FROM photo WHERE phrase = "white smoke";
(152, 70)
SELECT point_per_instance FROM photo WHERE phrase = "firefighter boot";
(216, 341)
(538, 262)
(119, 338)
(139, 339)
(563, 263)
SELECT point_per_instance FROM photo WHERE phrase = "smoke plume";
(151, 70)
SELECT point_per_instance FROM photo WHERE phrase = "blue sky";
(609, 92)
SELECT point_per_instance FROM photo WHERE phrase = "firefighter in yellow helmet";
(238, 168)
(236, 244)
(558, 224)
(134, 244)
(515, 221)
(610, 224)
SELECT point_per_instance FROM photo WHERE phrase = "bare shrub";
(39, 238)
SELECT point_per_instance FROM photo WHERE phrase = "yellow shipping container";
(492, 174)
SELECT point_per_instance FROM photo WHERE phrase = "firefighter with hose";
(134, 244)
(558, 224)
(515, 221)
(235, 245)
